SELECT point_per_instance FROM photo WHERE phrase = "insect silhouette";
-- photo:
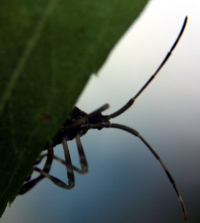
(78, 124)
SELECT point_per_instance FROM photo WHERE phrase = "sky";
(125, 183)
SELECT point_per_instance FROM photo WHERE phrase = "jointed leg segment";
(67, 163)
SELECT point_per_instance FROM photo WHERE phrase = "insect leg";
(82, 157)
(31, 183)
(70, 174)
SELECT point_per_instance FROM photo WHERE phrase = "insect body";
(78, 124)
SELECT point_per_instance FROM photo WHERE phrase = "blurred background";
(125, 183)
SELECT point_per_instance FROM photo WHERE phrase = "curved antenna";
(132, 100)
(137, 134)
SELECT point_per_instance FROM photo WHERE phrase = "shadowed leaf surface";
(49, 48)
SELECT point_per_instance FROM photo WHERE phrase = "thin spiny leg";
(55, 180)
(82, 158)
(76, 169)
(31, 183)
(44, 173)
(48, 162)
(70, 174)
(137, 134)
(69, 168)
(64, 163)
(132, 100)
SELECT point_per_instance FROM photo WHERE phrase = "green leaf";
(49, 48)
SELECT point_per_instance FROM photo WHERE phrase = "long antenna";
(132, 100)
